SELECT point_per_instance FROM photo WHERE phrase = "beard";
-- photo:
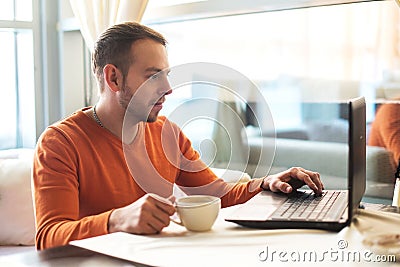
(138, 106)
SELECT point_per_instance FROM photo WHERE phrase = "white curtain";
(95, 16)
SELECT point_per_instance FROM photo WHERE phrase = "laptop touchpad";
(259, 208)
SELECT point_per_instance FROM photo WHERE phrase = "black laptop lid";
(357, 153)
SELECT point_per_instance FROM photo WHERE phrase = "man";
(385, 129)
(83, 184)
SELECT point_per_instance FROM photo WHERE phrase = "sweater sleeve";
(391, 129)
(385, 130)
(56, 195)
(197, 178)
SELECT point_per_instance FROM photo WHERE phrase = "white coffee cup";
(197, 212)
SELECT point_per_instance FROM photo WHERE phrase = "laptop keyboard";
(308, 206)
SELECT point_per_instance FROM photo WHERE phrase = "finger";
(278, 185)
(316, 179)
(147, 228)
(155, 213)
(172, 199)
(168, 209)
(307, 178)
(154, 221)
(152, 228)
(163, 209)
(162, 219)
(147, 224)
(157, 225)
(163, 204)
(296, 183)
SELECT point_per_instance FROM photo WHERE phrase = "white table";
(225, 245)
(230, 245)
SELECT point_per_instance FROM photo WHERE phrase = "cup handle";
(175, 218)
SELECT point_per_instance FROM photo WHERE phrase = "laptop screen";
(357, 152)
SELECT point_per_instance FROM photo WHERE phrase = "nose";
(168, 92)
(165, 88)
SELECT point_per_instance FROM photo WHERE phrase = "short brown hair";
(114, 44)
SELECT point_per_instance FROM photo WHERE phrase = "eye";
(155, 76)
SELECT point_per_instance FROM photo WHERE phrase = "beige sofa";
(328, 158)
(17, 231)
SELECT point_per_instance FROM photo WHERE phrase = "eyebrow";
(154, 69)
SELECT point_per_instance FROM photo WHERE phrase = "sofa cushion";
(16, 206)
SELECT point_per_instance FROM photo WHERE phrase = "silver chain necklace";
(97, 118)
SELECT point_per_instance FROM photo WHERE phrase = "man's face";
(146, 81)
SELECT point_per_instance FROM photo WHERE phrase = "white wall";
(73, 69)
(72, 72)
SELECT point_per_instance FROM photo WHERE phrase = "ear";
(112, 77)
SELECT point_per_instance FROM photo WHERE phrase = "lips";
(158, 105)
(159, 102)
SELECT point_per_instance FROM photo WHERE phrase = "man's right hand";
(148, 215)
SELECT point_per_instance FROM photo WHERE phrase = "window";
(320, 54)
(17, 105)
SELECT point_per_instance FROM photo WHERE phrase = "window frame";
(219, 8)
(47, 89)
(15, 26)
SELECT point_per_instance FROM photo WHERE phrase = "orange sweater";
(80, 175)
(385, 129)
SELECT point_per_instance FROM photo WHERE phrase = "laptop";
(302, 209)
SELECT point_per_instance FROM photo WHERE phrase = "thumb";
(285, 187)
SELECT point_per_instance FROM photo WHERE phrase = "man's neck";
(129, 132)
(112, 120)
